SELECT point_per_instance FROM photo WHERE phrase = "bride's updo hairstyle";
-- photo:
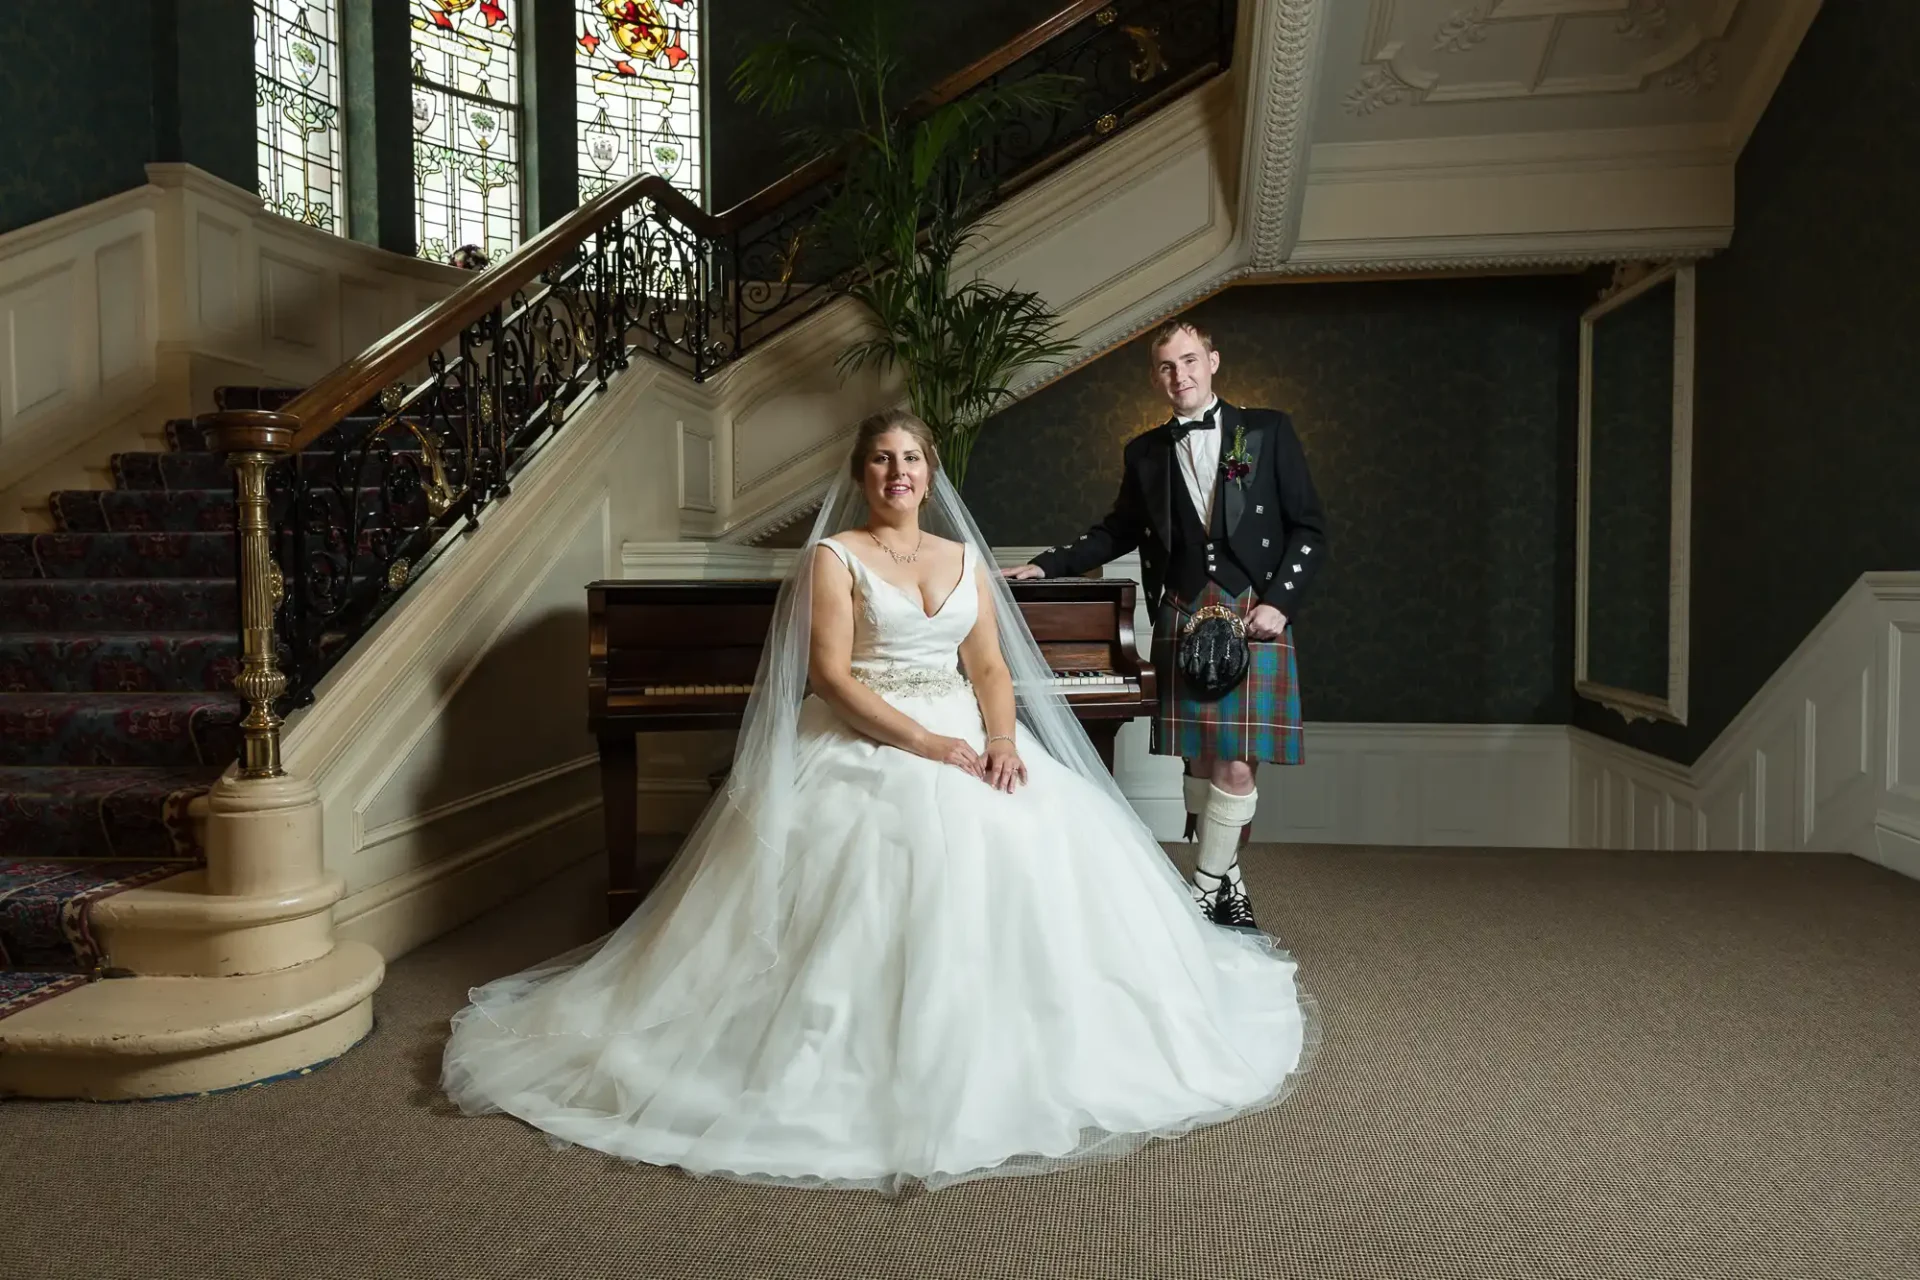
(871, 429)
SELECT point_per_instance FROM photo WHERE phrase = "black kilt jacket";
(1272, 520)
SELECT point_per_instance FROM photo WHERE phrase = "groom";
(1219, 502)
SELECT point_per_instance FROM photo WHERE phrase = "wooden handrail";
(316, 410)
(967, 78)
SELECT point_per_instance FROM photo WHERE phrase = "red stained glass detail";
(625, 68)
(492, 12)
(589, 42)
(674, 55)
(441, 20)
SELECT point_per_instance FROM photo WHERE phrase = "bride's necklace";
(898, 558)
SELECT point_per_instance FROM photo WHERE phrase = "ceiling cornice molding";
(1492, 155)
(1492, 261)
(1281, 76)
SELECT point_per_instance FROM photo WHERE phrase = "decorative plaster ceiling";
(1409, 69)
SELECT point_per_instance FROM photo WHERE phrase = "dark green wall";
(181, 88)
(1438, 420)
(1807, 435)
(178, 87)
(72, 128)
(203, 106)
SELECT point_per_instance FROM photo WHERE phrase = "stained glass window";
(466, 126)
(296, 93)
(640, 94)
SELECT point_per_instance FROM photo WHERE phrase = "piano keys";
(1066, 681)
(674, 656)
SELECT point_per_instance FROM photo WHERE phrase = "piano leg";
(1103, 732)
(620, 804)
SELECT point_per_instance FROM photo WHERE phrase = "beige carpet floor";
(1537, 1064)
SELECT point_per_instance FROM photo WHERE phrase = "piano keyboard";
(1073, 681)
(1092, 681)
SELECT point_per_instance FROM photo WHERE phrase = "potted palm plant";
(907, 204)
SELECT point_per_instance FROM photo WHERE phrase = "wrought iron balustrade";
(349, 490)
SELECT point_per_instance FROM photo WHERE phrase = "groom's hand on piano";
(1024, 571)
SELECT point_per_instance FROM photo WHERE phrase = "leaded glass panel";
(640, 72)
(296, 78)
(466, 126)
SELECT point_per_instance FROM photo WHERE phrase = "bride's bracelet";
(999, 737)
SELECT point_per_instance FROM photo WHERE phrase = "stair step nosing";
(102, 1019)
(182, 904)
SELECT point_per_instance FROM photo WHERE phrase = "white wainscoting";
(1421, 784)
(78, 314)
(1823, 757)
(450, 748)
(126, 312)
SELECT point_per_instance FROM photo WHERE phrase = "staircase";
(119, 646)
(165, 918)
(118, 649)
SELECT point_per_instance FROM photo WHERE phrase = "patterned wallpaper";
(180, 87)
(1438, 419)
(76, 129)
(215, 62)
(1806, 437)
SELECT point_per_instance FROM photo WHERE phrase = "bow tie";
(1181, 427)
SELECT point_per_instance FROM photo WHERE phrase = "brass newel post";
(253, 441)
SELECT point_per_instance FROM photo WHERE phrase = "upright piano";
(667, 656)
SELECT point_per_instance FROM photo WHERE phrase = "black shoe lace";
(1227, 904)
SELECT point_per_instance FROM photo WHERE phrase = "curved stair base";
(179, 928)
(160, 1037)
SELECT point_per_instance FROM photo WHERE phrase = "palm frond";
(907, 203)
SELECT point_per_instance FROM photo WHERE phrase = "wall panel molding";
(1813, 762)
(109, 314)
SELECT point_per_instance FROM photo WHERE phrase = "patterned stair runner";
(118, 647)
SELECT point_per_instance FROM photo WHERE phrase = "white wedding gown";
(967, 982)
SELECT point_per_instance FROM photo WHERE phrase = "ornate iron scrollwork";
(1148, 61)
(441, 495)
(357, 516)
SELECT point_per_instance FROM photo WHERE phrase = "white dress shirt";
(1200, 462)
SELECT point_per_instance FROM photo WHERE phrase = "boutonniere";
(1237, 461)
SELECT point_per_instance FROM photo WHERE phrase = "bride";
(920, 936)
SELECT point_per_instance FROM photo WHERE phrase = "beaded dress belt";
(929, 682)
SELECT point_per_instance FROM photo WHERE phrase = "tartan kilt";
(1258, 722)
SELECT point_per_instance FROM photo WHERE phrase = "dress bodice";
(893, 631)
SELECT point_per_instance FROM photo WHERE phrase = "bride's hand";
(1005, 769)
(953, 751)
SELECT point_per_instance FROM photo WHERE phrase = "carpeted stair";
(118, 648)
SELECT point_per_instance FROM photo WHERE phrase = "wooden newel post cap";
(249, 430)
